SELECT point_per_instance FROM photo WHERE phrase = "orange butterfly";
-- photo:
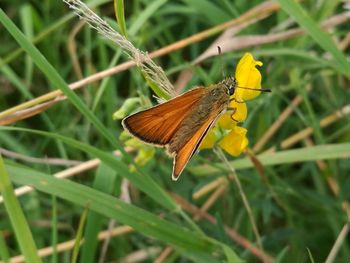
(181, 123)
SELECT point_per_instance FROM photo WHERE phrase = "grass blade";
(341, 64)
(56, 79)
(18, 220)
(230, 255)
(4, 253)
(105, 182)
(54, 231)
(320, 152)
(119, 13)
(47, 31)
(143, 182)
(145, 15)
(111, 207)
(79, 235)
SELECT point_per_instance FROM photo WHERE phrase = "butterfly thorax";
(212, 104)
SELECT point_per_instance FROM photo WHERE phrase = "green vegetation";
(291, 203)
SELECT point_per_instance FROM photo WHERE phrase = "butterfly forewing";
(157, 125)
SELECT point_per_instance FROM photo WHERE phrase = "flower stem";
(233, 175)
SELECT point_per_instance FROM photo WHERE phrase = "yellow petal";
(241, 111)
(235, 142)
(225, 121)
(248, 76)
(210, 139)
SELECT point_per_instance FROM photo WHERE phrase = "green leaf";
(145, 15)
(280, 257)
(47, 31)
(320, 152)
(145, 183)
(54, 231)
(16, 215)
(155, 87)
(209, 11)
(27, 25)
(111, 207)
(119, 14)
(141, 181)
(4, 253)
(104, 181)
(79, 235)
(230, 254)
(310, 255)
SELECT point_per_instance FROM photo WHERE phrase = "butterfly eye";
(231, 90)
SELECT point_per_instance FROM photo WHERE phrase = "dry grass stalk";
(209, 187)
(142, 59)
(15, 115)
(164, 255)
(228, 42)
(140, 255)
(277, 124)
(340, 240)
(49, 161)
(68, 245)
(297, 137)
(72, 171)
(210, 201)
(63, 174)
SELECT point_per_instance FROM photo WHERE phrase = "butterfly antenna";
(263, 90)
(222, 64)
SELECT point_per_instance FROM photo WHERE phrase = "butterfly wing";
(158, 124)
(186, 152)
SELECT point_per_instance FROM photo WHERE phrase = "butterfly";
(181, 123)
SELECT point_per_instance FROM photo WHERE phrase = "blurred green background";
(298, 194)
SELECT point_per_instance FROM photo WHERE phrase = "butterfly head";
(230, 83)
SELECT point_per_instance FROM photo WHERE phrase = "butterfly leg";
(238, 101)
(233, 112)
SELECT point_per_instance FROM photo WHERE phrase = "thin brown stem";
(68, 245)
(340, 240)
(50, 161)
(301, 135)
(72, 171)
(243, 196)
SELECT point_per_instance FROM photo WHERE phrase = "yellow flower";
(210, 139)
(226, 122)
(248, 76)
(229, 136)
(235, 142)
(240, 113)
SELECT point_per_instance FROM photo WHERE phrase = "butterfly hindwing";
(186, 152)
